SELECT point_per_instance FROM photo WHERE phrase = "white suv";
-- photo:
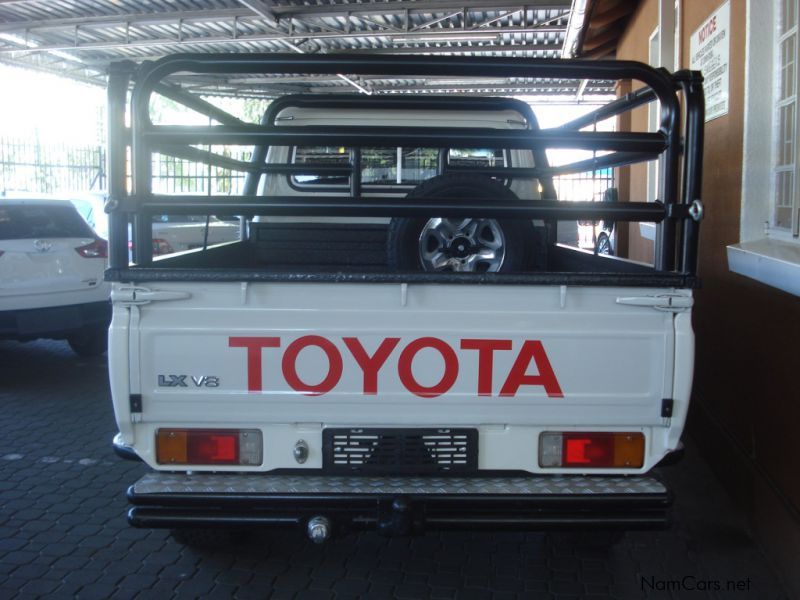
(51, 275)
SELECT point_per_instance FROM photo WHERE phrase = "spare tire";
(460, 244)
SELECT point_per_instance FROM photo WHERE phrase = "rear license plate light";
(209, 447)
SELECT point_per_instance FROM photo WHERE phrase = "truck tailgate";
(397, 355)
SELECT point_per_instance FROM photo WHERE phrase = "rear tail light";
(208, 447)
(97, 249)
(161, 247)
(591, 450)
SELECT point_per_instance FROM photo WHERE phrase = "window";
(390, 166)
(785, 217)
(29, 221)
(769, 251)
(648, 230)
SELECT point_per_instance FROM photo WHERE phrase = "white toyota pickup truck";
(399, 341)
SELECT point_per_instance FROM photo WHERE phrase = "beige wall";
(636, 43)
(746, 404)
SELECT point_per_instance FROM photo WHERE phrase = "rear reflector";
(591, 450)
(208, 446)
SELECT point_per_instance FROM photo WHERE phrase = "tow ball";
(319, 529)
(398, 518)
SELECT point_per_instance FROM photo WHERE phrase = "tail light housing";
(591, 449)
(161, 247)
(97, 249)
(209, 447)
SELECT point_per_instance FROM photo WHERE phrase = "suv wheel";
(90, 342)
(476, 245)
(603, 245)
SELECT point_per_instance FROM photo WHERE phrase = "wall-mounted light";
(448, 37)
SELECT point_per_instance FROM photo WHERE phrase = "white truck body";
(615, 354)
(321, 373)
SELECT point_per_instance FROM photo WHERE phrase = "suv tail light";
(591, 449)
(97, 249)
(208, 446)
(161, 247)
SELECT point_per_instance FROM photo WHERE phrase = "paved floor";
(63, 530)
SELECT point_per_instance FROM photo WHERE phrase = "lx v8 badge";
(188, 380)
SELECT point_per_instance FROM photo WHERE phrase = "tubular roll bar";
(627, 147)
(330, 206)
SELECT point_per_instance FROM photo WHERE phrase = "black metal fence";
(584, 186)
(36, 166)
(173, 175)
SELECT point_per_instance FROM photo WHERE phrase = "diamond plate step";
(204, 483)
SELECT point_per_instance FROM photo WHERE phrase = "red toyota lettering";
(370, 365)
(254, 346)
(532, 350)
(485, 350)
(407, 376)
(289, 365)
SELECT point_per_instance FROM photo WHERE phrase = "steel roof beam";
(417, 6)
(458, 49)
(438, 89)
(274, 14)
(424, 26)
(285, 39)
(189, 17)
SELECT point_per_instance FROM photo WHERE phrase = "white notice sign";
(710, 50)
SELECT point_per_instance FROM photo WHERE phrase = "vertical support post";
(119, 75)
(355, 177)
(666, 231)
(142, 166)
(252, 178)
(692, 165)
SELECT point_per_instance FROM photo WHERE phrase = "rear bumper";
(53, 322)
(399, 505)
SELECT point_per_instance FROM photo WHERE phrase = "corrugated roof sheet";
(78, 39)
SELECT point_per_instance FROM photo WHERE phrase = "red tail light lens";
(595, 450)
(97, 249)
(213, 448)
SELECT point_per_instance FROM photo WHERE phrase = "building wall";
(746, 400)
(636, 43)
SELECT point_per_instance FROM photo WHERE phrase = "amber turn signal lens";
(171, 447)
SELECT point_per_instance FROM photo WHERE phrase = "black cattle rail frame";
(679, 149)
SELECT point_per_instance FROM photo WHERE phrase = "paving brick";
(312, 595)
(11, 544)
(353, 587)
(473, 594)
(411, 591)
(256, 592)
(96, 591)
(194, 588)
(40, 587)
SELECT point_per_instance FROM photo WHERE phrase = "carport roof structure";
(78, 39)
